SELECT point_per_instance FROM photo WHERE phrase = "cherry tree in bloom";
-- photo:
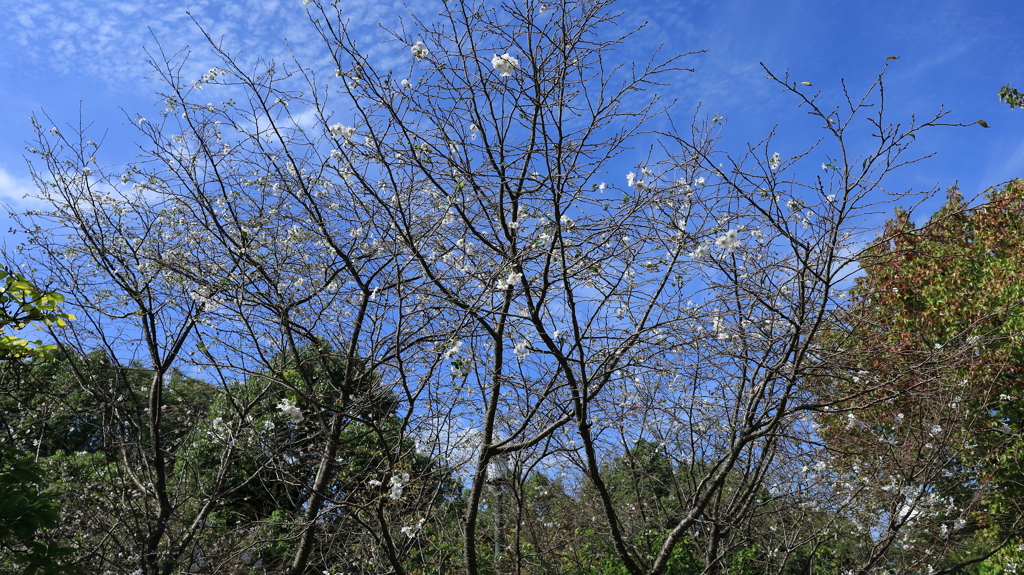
(459, 288)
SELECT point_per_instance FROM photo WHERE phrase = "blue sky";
(60, 56)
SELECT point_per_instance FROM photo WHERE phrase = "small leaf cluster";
(22, 303)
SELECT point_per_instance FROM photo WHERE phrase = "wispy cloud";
(107, 39)
(15, 192)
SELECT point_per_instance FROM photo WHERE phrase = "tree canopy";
(944, 298)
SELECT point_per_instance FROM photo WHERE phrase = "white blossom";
(512, 279)
(419, 50)
(453, 350)
(342, 131)
(718, 324)
(700, 252)
(411, 530)
(288, 408)
(397, 485)
(505, 64)
(728, 241)
(522, 349)
(775, 162)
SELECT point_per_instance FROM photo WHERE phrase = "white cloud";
(14, 189)
(107, 38)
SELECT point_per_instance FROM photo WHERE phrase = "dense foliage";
(28, 504)
(938, 350)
